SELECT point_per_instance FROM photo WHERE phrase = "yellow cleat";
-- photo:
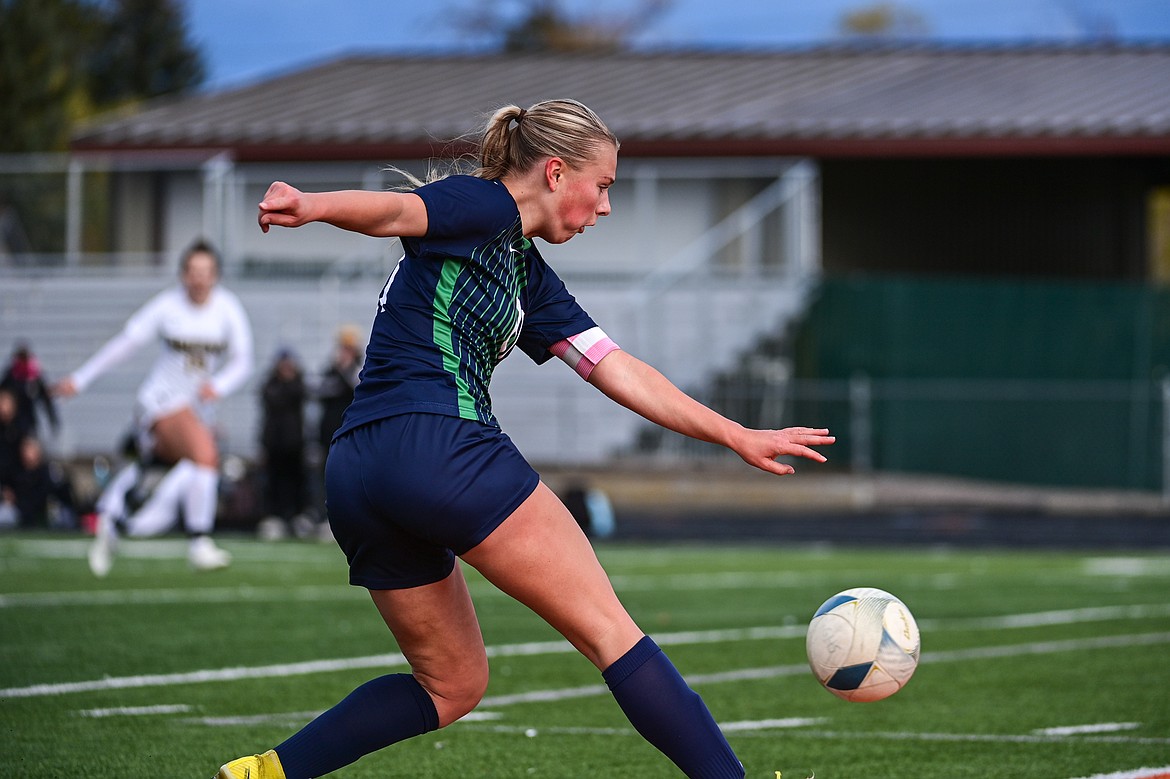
(265, 766)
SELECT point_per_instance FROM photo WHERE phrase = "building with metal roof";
(821, 102)
(989, 159)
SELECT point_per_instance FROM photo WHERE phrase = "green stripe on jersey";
(444, 338)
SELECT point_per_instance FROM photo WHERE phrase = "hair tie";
(520, 116)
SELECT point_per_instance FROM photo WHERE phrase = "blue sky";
(245, 41)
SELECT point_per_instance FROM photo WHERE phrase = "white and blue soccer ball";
(863, 644)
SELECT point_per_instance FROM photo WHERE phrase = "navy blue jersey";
(456, 304)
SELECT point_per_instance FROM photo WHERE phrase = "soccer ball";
(863, 644)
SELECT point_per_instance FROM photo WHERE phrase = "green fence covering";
(1033, 382)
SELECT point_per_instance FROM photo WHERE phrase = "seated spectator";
(41, 491)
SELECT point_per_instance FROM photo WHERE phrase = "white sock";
(113, 498)
(161, 510)
(199, 502)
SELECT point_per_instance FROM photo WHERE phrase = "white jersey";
(200, 344)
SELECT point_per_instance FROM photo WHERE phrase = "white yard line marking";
(136, 711)
(991, 738)
(171, 596)
(1076, 730)
(1046, 647)
(1057, 617)
(299, 718)
(290, 719)
(532, 732)
(558, 647)
(168, 549)
(197, 677)
(326, 592)
(772, 672)
(1127, 566)
(544, 696)
(1137, 773)
(771, 724)
(708, 581)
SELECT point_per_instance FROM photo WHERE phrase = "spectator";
(334, 394)
(41, 492)
(12, 432)
(27, 383)
(337, 382)
(283, 438)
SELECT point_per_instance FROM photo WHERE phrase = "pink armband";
(583, 351)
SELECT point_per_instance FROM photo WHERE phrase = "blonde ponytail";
(515, 138)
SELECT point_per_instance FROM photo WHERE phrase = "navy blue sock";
(669, 714)
(379, 713)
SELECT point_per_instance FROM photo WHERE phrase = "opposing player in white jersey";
(206, 354)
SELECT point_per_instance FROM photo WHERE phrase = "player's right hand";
(283, 205)
(64, 388)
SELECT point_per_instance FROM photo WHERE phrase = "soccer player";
(206, 353)
(420, 473)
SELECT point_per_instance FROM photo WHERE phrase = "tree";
(41, 82)
(143, 53)
(883, 20)
(62, 61)
(545, 25)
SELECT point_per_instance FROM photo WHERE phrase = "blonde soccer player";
(420, 476)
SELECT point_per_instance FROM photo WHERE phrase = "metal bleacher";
(689, 330)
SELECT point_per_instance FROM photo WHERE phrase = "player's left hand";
(761, 447)
(208, 394)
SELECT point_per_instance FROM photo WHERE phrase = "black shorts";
(408, 493)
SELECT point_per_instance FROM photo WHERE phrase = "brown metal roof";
(823, 102)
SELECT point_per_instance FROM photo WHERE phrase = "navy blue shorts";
(408, 493)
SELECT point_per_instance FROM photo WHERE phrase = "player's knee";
(457, 695)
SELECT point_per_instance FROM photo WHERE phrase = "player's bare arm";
(379, 214)
(641, 388)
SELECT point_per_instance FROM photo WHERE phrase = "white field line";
(757, 728)
(990, 738)
(170, 548)
(384, 661)
(1076, 730)
(391, 660)
(1127, 566)
(137, 711)
(771, 724)
(1137, 773)
(726, 727)
(244, 594)
(1058, 617)
(396, 660)
(324, 592)
(559, 647)
(726, 580)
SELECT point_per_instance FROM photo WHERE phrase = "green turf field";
(1035, 664)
